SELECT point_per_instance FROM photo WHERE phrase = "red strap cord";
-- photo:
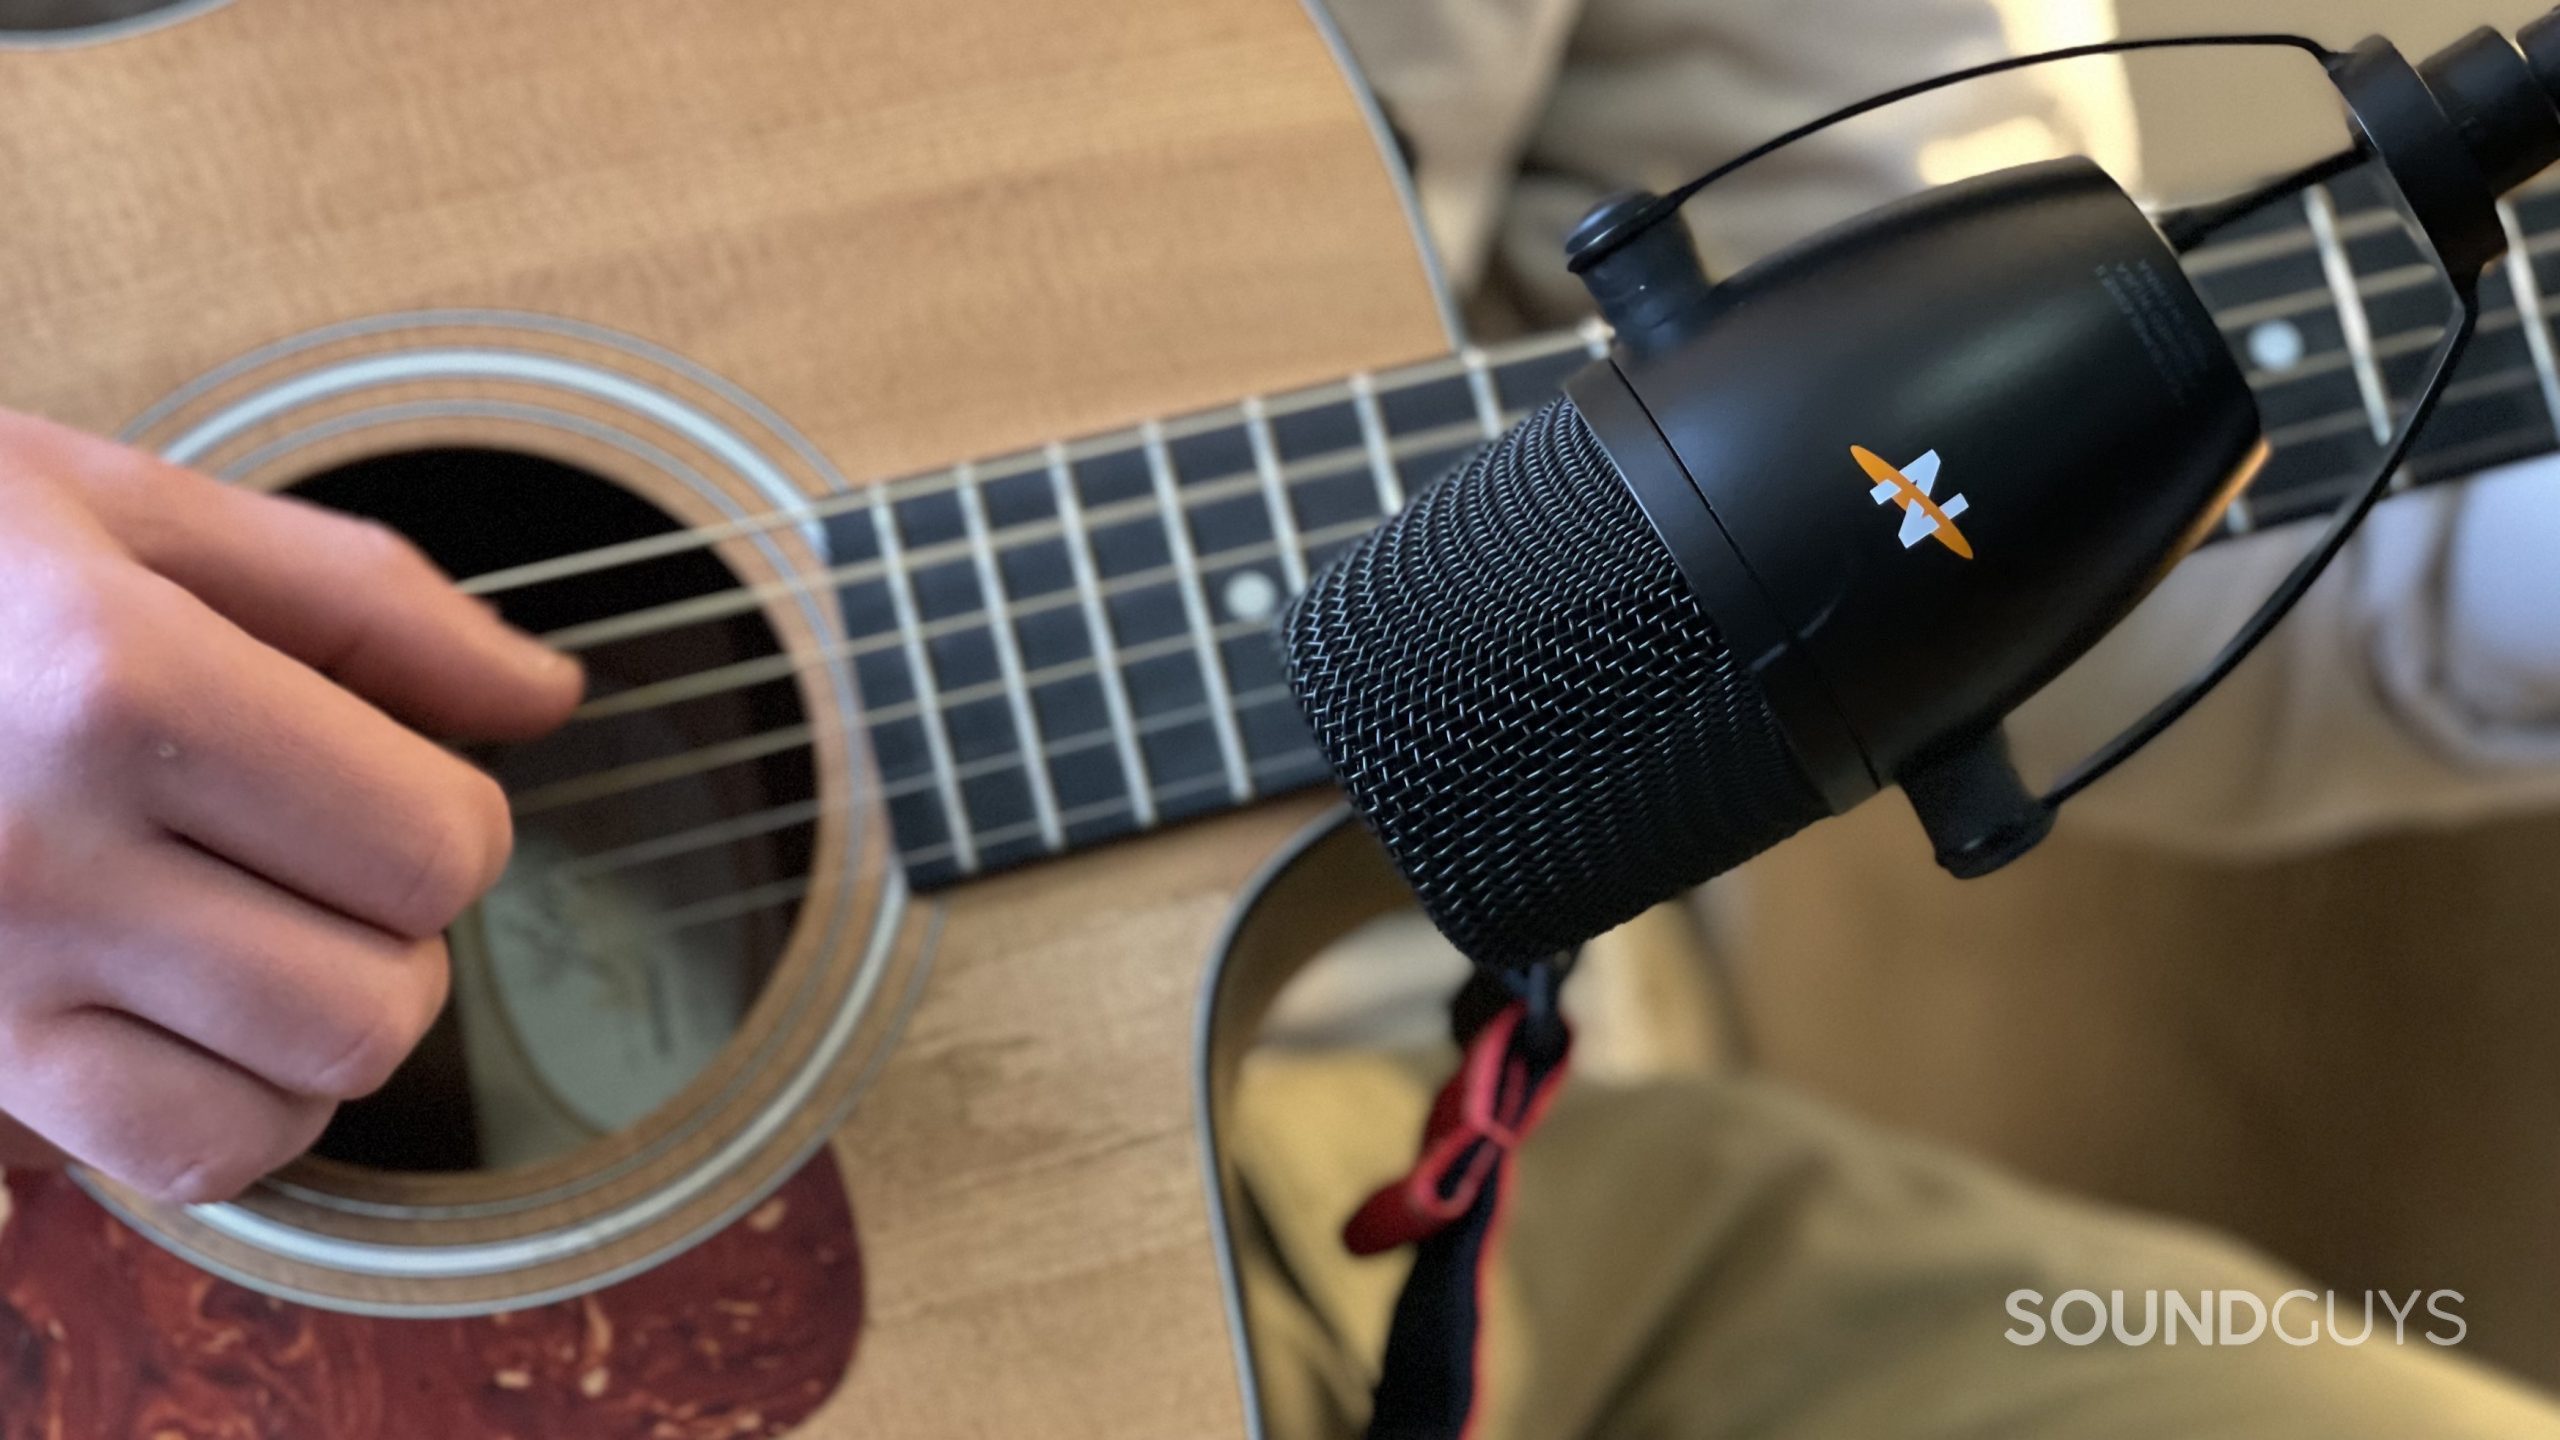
(1450, 1206)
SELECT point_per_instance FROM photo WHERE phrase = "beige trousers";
(1704, 1257)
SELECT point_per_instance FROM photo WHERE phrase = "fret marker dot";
(1250, 595)
(2276, 345)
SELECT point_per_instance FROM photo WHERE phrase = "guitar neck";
(1066, 646)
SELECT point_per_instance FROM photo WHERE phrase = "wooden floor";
(2351, 1060)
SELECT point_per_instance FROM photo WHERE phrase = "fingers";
(346, 597)
(307, 1001)
(222, 875)
(264, 763)
(149, 1109)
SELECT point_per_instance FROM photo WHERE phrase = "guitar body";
(867, 236)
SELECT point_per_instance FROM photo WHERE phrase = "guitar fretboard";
(1065, 646)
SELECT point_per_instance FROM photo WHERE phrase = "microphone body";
(1817, 529)
(1739, 579)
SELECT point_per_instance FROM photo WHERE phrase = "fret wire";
(1480, 385)
(2353, 320)
(1373, 437)
(1195, 605)
(1275, 494)
(937, 732)
(1097, 624)
(2528, 292)
(1026, 724)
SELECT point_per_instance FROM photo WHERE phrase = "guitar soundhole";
(663, 837)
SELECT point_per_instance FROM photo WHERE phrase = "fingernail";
(540, 662)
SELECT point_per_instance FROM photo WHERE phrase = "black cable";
(1664, 207)
(2342, 526)
(2188, 228)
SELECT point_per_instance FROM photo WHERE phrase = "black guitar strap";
(1450, 1205)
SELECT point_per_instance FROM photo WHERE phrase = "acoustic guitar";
(842, 1055)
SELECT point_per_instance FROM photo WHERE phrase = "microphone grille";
(1529, 707)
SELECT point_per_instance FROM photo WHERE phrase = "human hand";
(226, 863)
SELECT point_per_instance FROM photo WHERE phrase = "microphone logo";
(1912, 487)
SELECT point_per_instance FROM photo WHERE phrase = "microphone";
(1819, 528)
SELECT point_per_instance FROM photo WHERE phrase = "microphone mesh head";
(1529, 707)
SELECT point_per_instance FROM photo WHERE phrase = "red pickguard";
(103, 1334)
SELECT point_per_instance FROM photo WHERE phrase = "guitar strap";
(1450, 1205)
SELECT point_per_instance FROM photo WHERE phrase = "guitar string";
(649, 851)
(2307, 368)
(625, 780)
(2211, 260)
(1268, 770)
(792, 890)
(769, 896)
(1146, 509)
(1013, 539)
(1271, 774)
(763, 670)
(1402, 379)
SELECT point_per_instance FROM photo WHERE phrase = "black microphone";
(1818, 528)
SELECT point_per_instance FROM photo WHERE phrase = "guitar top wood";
(918, 231)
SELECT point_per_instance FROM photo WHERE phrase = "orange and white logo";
(1913, 487)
